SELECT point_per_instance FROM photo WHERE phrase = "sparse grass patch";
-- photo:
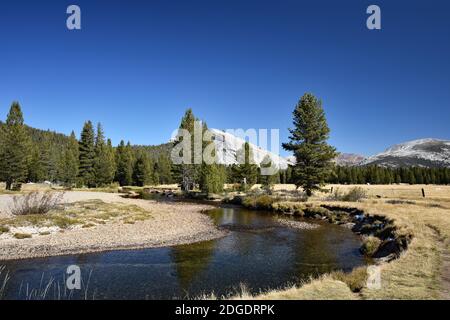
(322, 288)
(295, 208)
(396, 201)
(370, 245)
(22, 235)
(84, 214)
(259, 202)
(4, 229)
(35, 203)
(434, 205)
(353, 195)
(355, 280)
(99, 212)
(64, 222)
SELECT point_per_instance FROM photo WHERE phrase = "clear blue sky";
(137, 65)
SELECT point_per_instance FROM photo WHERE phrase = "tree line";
(32, 155)
(383, 175)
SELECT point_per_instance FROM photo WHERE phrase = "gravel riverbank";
(172, 223)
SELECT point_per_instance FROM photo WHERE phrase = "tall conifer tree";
(103, 165)
(124, 162)
(87, 155)
(14, 148)
(246, 171)
(68, 166)
(308, 142)
(142, 170)
(187, 174)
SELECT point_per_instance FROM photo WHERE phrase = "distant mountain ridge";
(427, 153)
(349, 159)
(432, 153)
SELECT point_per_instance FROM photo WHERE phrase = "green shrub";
(262, 202)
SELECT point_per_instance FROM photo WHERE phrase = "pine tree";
(124, 161)
(69, 162)
(14, 148)
(308, 142)
(37, 170)
(411, 177)
(212, 175)
(246, 171)
(212, 178)
(111, 159)
(142, 170)
(267, 181)
(103, 165)
(162, 170)
(186, 174)
(87, 155)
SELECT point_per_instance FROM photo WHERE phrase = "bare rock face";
(349, 159)
(227, 146)
(420, 153)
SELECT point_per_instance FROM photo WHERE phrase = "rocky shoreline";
(382, 240)
(390, 242)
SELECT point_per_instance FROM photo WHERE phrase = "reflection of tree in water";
(190, 260)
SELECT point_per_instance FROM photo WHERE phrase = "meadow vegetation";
(83, 214)
(418, 272)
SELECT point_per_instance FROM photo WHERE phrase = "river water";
(258, 253)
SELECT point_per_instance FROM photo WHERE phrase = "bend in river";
(259, 252)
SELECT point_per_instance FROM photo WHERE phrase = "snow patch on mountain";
(423, 152)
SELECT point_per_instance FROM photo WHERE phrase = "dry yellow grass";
(325, 288)
(421, 272)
